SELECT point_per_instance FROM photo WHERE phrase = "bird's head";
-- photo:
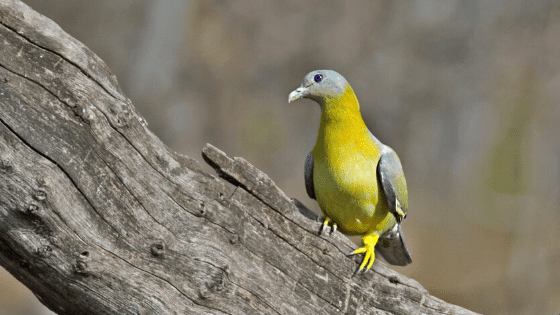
(320, 86)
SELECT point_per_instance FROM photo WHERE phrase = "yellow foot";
(325, 224)
(399, 211)
(369, 242)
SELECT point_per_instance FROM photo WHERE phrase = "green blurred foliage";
(466, 92)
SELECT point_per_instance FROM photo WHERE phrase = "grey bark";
(98, 216)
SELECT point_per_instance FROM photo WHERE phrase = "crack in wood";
(60, 168)
(91, 77)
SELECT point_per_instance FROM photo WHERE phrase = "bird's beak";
(298, 93)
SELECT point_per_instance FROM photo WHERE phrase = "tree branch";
(100, 217)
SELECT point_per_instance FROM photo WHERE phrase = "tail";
(392, 247)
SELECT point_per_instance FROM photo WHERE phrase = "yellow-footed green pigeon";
(357, 180)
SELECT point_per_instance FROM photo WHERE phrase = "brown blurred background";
(466, 92)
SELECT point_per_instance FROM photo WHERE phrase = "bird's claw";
(333, 229)
(369, 242)
(400, 214)
(359, 271)
(325, 224)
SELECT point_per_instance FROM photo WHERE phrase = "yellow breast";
(345, 172)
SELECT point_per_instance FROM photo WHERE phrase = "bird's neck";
(342, 115)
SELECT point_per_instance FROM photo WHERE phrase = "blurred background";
(466, 92)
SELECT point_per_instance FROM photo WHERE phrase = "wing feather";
(308, 174)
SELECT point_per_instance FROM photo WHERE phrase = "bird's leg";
(369, 242)
(325, 224)
(333, 228)
(399, 211)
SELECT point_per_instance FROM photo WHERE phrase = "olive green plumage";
(358, 181)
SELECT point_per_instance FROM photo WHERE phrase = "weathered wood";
(98, 216)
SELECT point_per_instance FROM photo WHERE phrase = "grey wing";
(393, 183)
(391, 244)
(308, 174)
(392, 247)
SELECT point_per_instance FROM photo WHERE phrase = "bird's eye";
(318, 78)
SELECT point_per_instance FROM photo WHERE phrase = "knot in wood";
(204, 293)
(6, 166)
(45, 251)
(80, 267)
(218, 284)
(33, 209)
(121, 119)
(234, 239)
(142, 121)
(41, 181)
(220, 281)
(203, 213)
(25, 265)
(78, 110)
(158, 249)
(40, 194)
(84, 113)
